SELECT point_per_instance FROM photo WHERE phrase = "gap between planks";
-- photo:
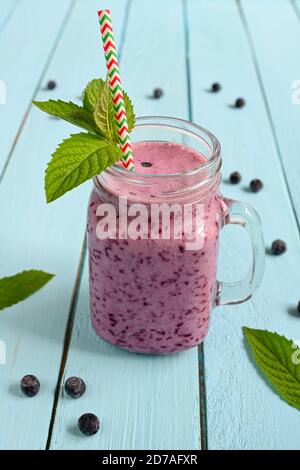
(38, 86)
(295, 8)
(201, 363)
(9, 15)
(68, 337)
(78, 279)
(266, 102)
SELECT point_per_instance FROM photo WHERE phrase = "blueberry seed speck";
(216, 87)
(235, 177)
(51, 85)
(30, 385)
(256, 185)
(146, 164)
(75, 387)
(239, 103)
(278, 247)
(158, 93)
(89, 424)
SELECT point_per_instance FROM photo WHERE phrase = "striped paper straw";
(111, 58)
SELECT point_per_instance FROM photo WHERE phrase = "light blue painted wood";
(143, 402)
(150, 402)
(243, 412)
(25, 45)
(279, 68)
(49, 237)
(7, 8)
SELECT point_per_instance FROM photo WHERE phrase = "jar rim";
(212, 164)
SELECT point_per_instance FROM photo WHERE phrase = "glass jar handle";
(238, 292)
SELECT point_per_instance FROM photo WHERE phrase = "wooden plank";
(242, 411)
(143, 402)
(49, 237)
(23, 62)
(7, 8)
(279, 69)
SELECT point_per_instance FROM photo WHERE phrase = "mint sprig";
(14, 289)
(104, 114)
(279, 360)
(97, 99)
(76, 160)
(85, 155)
(129, 111)
(70, 112)
(92, 93)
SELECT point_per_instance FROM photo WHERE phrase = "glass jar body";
(153, 291)
(154, 295)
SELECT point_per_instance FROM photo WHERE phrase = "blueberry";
(146, 164)
(51, 85)
(256, 185)
(216, 87)
(239, 103)
(158, 93)
(75, 387)
(89, 424)
(235, 177)
(30, 385)
(278, 247)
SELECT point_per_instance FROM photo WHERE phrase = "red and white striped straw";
(111, 58)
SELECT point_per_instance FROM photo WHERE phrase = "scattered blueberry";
(216, 87)
(278, 247)
(51, 85)
(256, 185)
(75, 387)
(158, 93)
(298, 307)
(146, 164)
(235, 177)
(30, 385)
(89, 424)
(239, 103)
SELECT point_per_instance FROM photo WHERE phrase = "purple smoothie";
(154, 296)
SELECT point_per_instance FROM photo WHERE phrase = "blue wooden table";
(211, 397)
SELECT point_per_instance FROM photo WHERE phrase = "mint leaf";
(16, 288)
(97, 99)
(104, 115)
(279, 360)
(76, 160)
(83, 156)
(92, 93)
(70, 112)
(129, 111)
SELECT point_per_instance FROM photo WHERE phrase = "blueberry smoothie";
(154, 295)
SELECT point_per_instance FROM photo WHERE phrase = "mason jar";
(153, 282)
